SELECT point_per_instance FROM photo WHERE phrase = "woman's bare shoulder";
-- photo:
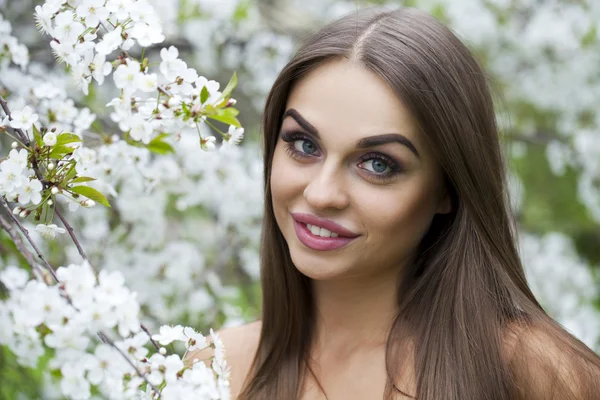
(241, 341)
(549, 364)
(240, 344)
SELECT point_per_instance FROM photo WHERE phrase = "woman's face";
(349, 153)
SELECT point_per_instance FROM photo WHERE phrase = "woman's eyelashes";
(379, 166)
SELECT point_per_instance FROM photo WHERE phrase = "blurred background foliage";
(544, 64)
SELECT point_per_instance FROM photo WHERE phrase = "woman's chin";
(318, 269)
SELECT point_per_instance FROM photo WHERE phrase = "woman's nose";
(326, 189)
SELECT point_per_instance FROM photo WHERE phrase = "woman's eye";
(377, 166)
(305, 146)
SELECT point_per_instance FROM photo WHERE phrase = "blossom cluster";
(10, 48)
(64, 319)
(53, 161)
(15, 182)
(76, 29)
(83, 38)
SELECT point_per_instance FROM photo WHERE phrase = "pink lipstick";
(316, 242)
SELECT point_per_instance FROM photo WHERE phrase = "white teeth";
(325, 233)
(317, 231)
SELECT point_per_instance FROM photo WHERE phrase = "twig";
(150, 336)
(20, 132)
(31, 259)
(20, 245)
(108, 340)
(40, 177)
(164, 91)
(31, 242)
(73, 237)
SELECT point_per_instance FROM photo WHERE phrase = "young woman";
(389, 263)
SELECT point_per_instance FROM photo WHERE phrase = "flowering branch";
(31, 242)
(19, 131)
(6, 226)
(73, 236)
(104, 337)
(31, 261)
(156, 346)
(54, 162)
(20, 245)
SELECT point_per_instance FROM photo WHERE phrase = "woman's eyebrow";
(369, 141)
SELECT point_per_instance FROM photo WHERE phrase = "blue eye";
(299, 145)
(378, 165)
(306, 146)
(382, 168)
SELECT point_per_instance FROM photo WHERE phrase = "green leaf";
(90, 193)
(185, 108)
(227, 119)
(204, 95)
(59, 151)
(230, 86)
(160, 147)
(70, 174)
(82, 179)
(230, 112)
(161, 136)
(227, 116)
(186, 111)
(65, 138)
(37, 136)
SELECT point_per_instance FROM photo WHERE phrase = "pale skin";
(354, 286)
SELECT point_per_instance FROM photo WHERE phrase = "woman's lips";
(318, 242)
(330, 225)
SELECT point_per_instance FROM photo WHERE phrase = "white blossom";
(171, 66)
(13, 277)
(23, 119)
(93, 11)
(111, 41)
(50, 138)
(127, 75)
(30, 191)
(169, 334)
(67, 29)
(49, 231)
(43, 17)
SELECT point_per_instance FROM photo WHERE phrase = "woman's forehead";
(345, 96)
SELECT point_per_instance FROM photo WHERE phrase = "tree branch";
(22, 135)
(74, 238)
(150, 336)
(31, 242)
(109, 341)
(20, 245)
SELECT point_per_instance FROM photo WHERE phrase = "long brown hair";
(474, 326)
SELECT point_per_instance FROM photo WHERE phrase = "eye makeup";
(392, 170)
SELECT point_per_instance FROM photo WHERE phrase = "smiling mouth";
(322, 227)
(316, 241)
(321, 232)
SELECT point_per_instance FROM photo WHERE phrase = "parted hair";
(468, 323)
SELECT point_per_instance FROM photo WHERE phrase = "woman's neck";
(354, 314)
